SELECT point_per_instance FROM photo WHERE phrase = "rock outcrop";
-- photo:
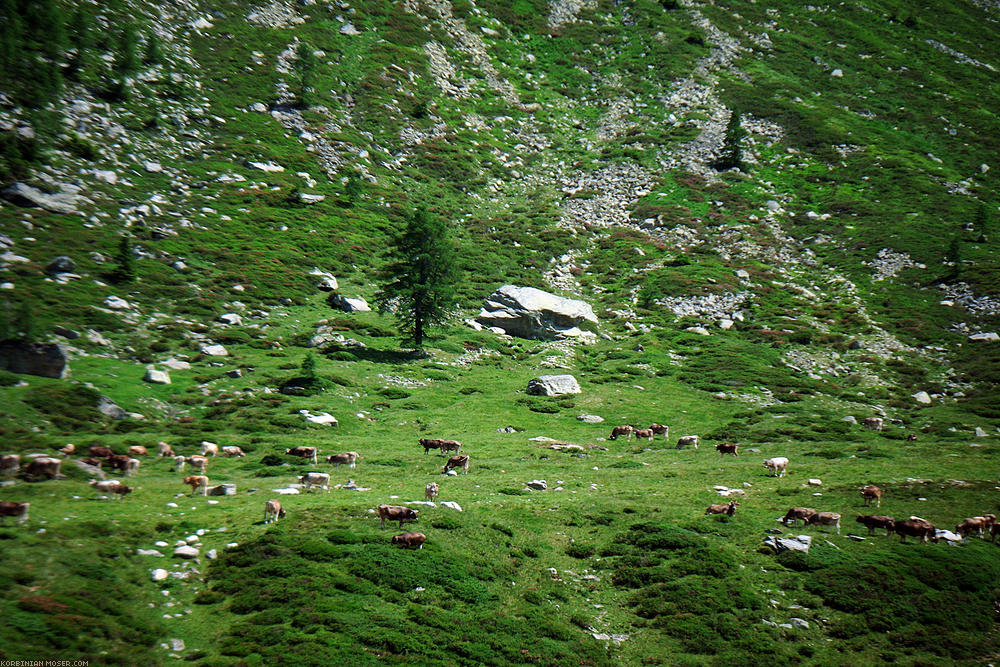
(43, 359)
(553, 385)
(531, 313)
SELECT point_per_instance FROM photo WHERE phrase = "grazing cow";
(729, 508)
(118, 462)
(625, 430)
(870, 493)
(395, 513)
(68, 449)
(273, 511)
(345, 458)
(872, 423)
(724, 448)
(777, 466)
(979, 524)
(429, 443)
(439, 444)
(911, 437)
(450, 446)
(132, 467)
(798, 513)
(686, 440)
(305, 453)
(43, 466)
(994, 531)
(643, 433)
(232, 450)
(410, 540)
(209, 448)
(195, 461)
(101, 452)
(320, 479)
(461, 461)
(196, 482)
(91, 461)
(10, 464)
(137, 450)
(110, 486)
(873, 521)
(431, 491)
(16, 510)
(915, 527)
(825, 519)
(163, 450)
(660, 429)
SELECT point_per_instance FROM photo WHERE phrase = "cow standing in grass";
(273, 511)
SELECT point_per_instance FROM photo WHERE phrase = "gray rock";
(42, 359)
(154, 376)
(310, 199)
(186, 552)
(108, 408)
(176, 365)
(235, 373)
(922, 397)
(349, 29)
(231, 318)
(590, 419)
(989, 337)
(531, 313)
(553, 385)
(450, 504)
(149, 552)
(799, 623)
(159, 574)
(22, 194)
(856, 538)
(947, 535)
(782, 544)
(701, 331)
(152, 167)
(61, 264)
(177, 644)
(68, 334)
(850, 419)
(348, 304)
(259, 107)
(327, 284)
(222, 490)
(980, 433)
(537, 484)
(211, 554)
(214, 350)
(117, 303)
(837, 73)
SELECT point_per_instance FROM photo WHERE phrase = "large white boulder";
(553, 385)
(348, 304)
(154, 376)
(531, 313)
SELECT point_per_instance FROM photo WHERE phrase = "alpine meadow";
(499, 332)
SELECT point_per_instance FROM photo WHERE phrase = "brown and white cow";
(625, 429)
(197, 482)
(101, 452)
(873, 521)
(273, 511)
(233, 450)
(311, 479)
(138, 450)
(725, 448)
(911, 437)
(978, 524)
(825, 519)
(873, 423)
(798, 514)
(450, 446)
(729, 508)
(17, 510)
(395, 513)
(439, 444)
(68, 449)
(687, 440)
(660, 429)
(10, 464)
(132, 467)
(195, 461)
(872, 493)
(643, 433)
(431, 491)
(913, 527)
(43, 466)
(344, 458)
(311, 453)
(209, 448)
(410, 540)
(461, 461)
(777, 466)
(111, 486)
(118, 462)
(163, 450)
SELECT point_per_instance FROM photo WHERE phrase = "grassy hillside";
(240, 150)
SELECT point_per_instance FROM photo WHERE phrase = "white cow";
(209, 448)
(778, 465)
(311, 479)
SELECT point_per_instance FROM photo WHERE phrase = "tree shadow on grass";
(377, 356)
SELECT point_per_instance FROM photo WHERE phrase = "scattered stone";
(947, 536)
(154, 376)
(701, 331)
(214, 350)
(321, 418)
(856, 538)
(922, 397)
(149, 552)
(258, 107)
(980, 433)
(152, 167)
(68, 334)
(176, 644)
(266, 166)
(537, 484)
(814, 482)
(782, 544)
(176, 365)
(231, 319)
(450, 504)
(349, 29)
(117, 303)
(553, 385)
(235, 373)
(531, 313)
(159, 574)
(22, 194)
(850, 419)
(799, 623)
(211, 554)
(186, 552)
(590, 419)
(310, 199)
(287, 492)
(348, 304)
(837, 73)
(990, 337)
(61, 264)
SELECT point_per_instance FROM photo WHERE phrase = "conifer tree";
(124, 272)
(305, 69)
(127, 60)
(732, 154)
(153, 55)
(419, 282)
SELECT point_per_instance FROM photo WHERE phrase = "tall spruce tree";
(305, 69)
(732, 154)
(418, 284)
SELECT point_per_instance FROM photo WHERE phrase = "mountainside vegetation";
(785, 218)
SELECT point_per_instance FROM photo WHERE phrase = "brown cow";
(873, 521)
(798, 514)
(625, 430)
(410, 540)
(10, 464)
(914, 527)
(137, 450)
(111, 486)
(16, 510)
(395, 513)
(273, 511)
(979, 524)
(873, 423)
(461, 461)
(724, 448)
(439, 444)
(911, 437)
(825, 519)
(729, 508)
(450, 446)
(643, 433)
(305, 453)
(101, 452)
(119, 462)
(870, 493)
(197, 482)
(660, 429)
(345, 458)
(43, 466)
